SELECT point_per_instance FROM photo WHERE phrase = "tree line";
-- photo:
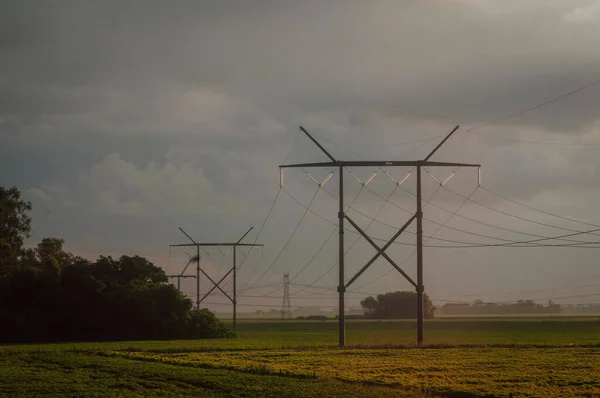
(396, 305)
(49, 294)
(521, 307)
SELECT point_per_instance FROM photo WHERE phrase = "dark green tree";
(48, 294)
(203, 323)
(395, 305)
(15, 226)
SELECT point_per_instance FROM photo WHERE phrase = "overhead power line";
(465, 244)
(521, 218)
(490, 208)
(465, 218)
(260, 232)
(550, 143)
(508, 242)
(397, 143)
(396, 227)
(401, 262)
(540, 105)
(289, 239)
(352, 245)
(319, 250)
(414, 251)
(437, 223)
(538, 210)
(268, 214)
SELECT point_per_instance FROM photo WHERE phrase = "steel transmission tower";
(217, 285)
(286, 307)
(381, 251)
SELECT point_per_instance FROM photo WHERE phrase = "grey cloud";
(465, 63)
(584, 14)
(178, 113)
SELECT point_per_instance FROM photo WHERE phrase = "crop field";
(472, 371)
(464, 357)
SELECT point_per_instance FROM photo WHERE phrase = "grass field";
(466, 358)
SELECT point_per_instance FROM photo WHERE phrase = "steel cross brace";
(381, 251)
(216, 285)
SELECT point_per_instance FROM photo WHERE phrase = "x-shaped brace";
(381, 251)
(216, 285)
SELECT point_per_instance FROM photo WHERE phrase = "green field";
(464, 357)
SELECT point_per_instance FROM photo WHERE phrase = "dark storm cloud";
(463, 62)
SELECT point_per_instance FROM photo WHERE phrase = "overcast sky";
(123, 120)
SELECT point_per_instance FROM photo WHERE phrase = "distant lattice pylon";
(286, 306)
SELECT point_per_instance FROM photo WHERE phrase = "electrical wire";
(259, 287)
(423, 143)
(414, 251)
(290, 238)
(274, 305)
(417, 147)
(467, 232)
(226, 282)
(437, 223)
(258, 235)
(389, 144)
(287, 155)
(465, 218)
(320, 248)
(470, 244)
(330, 236)
(538, 210)
(463, 244)
(468, 198)
(351, 246)
(508, 241)
(513, 115)
(409, 232)
(543, 142)
(307, 297)
(303, 268)
(342, 148)
(399, 264)
(519, 217)
(498, 211)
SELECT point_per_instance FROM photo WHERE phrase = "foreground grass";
(85, 374)
(465, 372)
(299, 358)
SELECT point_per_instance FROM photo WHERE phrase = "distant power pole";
(286, 307)
(342, 216)
(199, 270)
(181, 275)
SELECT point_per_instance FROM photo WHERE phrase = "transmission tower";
(381, 251)
(286, 307)
(216, 285)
